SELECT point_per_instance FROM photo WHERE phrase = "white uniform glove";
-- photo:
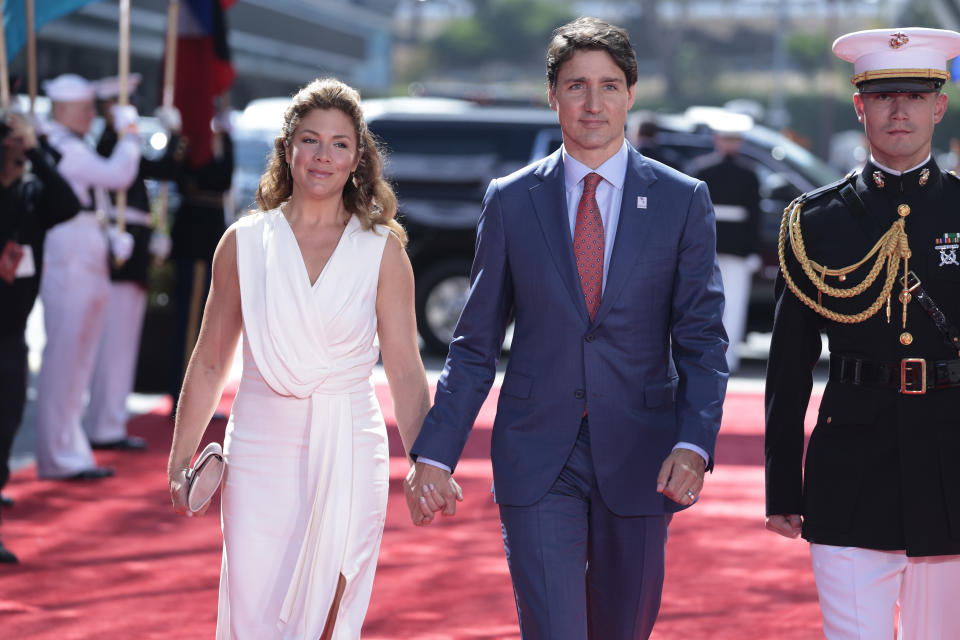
(160, 245)
(121, 244)
(125, 118)
(221, 123)
(169, 118)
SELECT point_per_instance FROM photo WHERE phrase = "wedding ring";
(691, 495)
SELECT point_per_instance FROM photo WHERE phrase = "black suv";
(441, 155)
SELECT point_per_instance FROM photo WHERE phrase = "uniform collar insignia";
(878, 179)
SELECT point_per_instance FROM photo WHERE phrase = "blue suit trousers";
(578, 569)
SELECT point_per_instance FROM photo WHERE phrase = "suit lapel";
(550, 204)
(634, 227)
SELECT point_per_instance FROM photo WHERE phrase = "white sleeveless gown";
(305, 495)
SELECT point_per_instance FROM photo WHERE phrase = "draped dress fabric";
(305, 495)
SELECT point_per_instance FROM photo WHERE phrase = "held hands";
(178, 494)
(681, 476)
(429, 489)
(786, 525)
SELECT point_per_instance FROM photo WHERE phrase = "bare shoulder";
(394, 255)
(395, 269)
(225, 256)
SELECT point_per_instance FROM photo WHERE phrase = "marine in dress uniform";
(116, 361)
(75, 287)
(735, 192)
(30, 204)
(872, 262)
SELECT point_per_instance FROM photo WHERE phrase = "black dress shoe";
(130, 443)
(6, 556)
(96, 473)
(6, 501)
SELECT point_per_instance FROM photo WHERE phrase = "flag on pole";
(203, 71)
(15, 19)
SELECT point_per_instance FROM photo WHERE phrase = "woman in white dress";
(310, 280)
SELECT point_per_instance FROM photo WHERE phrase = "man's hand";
(681, 476)
(429, 489)
(787, 526)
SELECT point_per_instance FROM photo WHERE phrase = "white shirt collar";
(613, 169)
(894, 171)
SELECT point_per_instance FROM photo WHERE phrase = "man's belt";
(950, 333)
(910, 376)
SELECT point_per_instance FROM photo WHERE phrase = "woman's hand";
(178, 494)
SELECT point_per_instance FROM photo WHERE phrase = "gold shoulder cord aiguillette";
(889, 250)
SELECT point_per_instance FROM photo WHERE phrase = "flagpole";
(31, 55)
(169, 84)
(123, 98)
(4, 70)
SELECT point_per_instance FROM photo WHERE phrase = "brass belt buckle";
(905, 366)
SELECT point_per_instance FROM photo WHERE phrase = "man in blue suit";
(611, 401)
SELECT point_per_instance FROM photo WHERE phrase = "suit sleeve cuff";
(434, 463)
(681, 445)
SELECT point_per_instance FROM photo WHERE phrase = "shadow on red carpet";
(109, 559)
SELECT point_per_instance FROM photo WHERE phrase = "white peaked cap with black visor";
(908, 60)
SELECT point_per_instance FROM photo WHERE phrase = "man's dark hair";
(591, 34)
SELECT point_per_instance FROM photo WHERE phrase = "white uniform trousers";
(74, 288)
(737, 274)
(116, 363)
(860, 589)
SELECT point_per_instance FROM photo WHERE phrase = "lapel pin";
(641, 202)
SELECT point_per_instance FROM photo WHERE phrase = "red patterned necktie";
(588, 243)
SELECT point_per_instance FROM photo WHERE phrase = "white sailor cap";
(68, 87)
(722, 122)
(108, 88)
(899, 60)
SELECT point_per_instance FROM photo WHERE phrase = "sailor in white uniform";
(116, 361)
(75, 284)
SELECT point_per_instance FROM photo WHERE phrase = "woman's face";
(322, 154)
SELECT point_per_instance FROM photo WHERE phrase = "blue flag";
(955, 69)
(15, 19)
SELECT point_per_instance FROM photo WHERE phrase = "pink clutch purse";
(204, 476)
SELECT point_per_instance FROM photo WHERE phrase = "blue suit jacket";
(651, 365)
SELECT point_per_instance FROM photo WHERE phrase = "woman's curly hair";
(367, 194)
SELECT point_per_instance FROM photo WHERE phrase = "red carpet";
(110, 560)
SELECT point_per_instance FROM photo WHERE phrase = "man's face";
(899, 126)
(76, 116)
(591, 98)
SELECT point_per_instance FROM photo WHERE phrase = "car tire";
(441, 293)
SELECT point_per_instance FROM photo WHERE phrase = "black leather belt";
(910, 376)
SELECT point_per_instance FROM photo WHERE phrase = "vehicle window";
(251, 151)
(508, 143)
(792, 154)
